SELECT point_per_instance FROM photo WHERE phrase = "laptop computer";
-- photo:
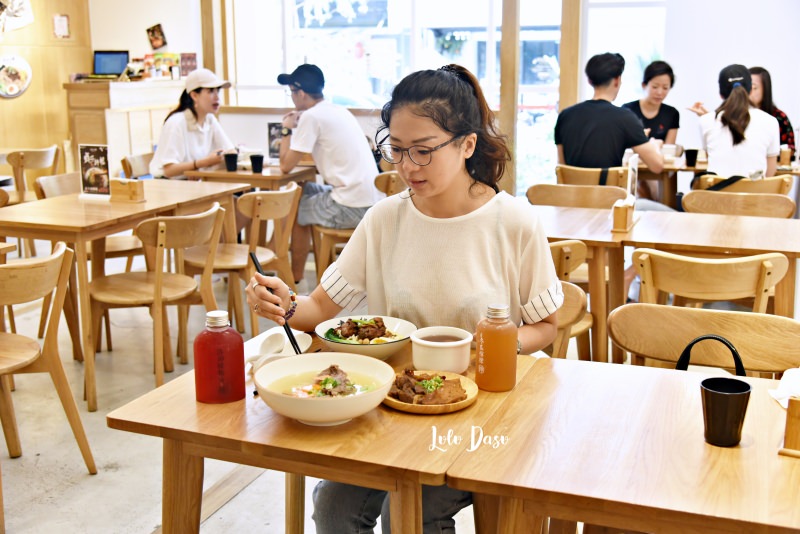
(109, 64)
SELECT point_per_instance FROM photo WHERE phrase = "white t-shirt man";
(761, 140)
(182, 140)
(341, 153)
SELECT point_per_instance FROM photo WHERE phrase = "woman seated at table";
(761, 97)
(192, 137)
(437, 255)
(739, 139)
(660, 121)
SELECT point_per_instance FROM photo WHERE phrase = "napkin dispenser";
(622, 214)
(791, 439)
(124, 190)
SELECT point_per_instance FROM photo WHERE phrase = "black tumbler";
(691, 157)
(257, 162)
(230, 161)
(724, 406)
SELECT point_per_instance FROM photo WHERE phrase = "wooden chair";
(766, 343)
(569, 256)
(280, 207)
(136, 166)
(575, 196)
(779, 185)
(724, 203)
(27, 281)
(157, 288)
(567, 174)
(708, 279)
(325, 240)
(390, 183)
(570, 314)
(22, 161)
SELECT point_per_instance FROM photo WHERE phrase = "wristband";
(292, 305)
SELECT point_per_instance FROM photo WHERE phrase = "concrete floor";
(48, 488)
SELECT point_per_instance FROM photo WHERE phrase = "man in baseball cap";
(307, 77)
(341, 153)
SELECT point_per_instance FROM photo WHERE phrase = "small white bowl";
(450, 356)
(323, 411)
(380, 351)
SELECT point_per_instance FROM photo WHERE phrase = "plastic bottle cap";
(498, 311)
(217, 318)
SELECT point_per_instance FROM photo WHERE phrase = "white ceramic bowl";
(380, 350)
(450, 356)
(323, 411)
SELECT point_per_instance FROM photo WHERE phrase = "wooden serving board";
(434, 409)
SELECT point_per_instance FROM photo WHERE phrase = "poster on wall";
(15, 14)
(15, 76)
(61, 26)
(156, 36)
(94, 169)
(275, 139)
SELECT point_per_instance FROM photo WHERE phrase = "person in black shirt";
(595, 133)
(660, 120)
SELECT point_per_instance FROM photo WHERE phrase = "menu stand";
(123, 190)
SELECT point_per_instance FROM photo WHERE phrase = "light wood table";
(270, 179)
(622, 446)
(383, 449)
(593, 227)
(82, 221)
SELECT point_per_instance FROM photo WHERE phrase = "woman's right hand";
(270, 305)
(698, 108)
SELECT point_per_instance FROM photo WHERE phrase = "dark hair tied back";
(452, 98)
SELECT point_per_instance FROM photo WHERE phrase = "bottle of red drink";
(219, 361)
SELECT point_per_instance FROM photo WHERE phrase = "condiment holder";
(124, 190)
(622, 215)
(791, 439)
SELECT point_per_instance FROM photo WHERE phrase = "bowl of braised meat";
(370, 335)
(324, 388)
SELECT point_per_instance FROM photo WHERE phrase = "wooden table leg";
(616, 291)
(669, 188)
(513, 519)
(785, 291)
(598, 304)
(295, 503)
(89, 379)
(405, 507)
(182, 493)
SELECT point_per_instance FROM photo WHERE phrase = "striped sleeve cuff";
(342, 293)
(544, 304)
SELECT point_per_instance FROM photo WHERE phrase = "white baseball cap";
(204, 78)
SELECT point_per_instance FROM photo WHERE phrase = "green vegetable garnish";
(329, 382)
(433, 384)
(333, 336)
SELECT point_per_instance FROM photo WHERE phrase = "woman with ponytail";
(739, 139)
(436, 254)
(192, 137)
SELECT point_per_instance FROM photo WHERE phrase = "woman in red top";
(761, 97)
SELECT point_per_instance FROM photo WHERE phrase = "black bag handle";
(683, 361)
(725, 183)
(603, 176)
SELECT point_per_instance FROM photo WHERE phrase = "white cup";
(430, 353)
(669, 151)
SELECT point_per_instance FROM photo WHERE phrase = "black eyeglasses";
(419, 155)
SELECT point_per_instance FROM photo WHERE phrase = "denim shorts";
(317, 207)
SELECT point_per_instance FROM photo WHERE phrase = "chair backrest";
(779, 185)
(3, 198)
(709, 279)
(725, 203)
(32, 159)
(57, 184)
(176, 233)
(572, 311)
(766, 343)
(136, 166)
(390, 183)
(575, 196)
(567, 174)
(280, 207)
(568, 255)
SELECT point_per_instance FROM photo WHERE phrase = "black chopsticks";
(286, 327)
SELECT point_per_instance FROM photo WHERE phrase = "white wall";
(702, 37)
(122, 25)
